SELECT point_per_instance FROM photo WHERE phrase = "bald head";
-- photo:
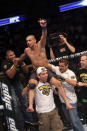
(30, 40)
(30, 36)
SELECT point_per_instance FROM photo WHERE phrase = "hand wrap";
(31, 86)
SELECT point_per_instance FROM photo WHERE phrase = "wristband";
(31, 86)
(44, 28)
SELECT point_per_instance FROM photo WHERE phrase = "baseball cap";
(40, 69)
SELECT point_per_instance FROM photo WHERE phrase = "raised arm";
(43, 25)
(71, 48)
(52, 54)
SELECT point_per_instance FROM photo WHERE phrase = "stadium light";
(73, 5)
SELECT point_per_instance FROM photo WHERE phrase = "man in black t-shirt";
(62, 49)
(82, 77)
(82, 83)
(11, 68)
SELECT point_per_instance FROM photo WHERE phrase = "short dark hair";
(8, 51)
(31, 36)
(65, 61)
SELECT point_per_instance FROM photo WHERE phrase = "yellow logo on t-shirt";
(72, 77)
(45, 89)
(84, 77)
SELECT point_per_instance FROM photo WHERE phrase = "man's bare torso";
(37, 56)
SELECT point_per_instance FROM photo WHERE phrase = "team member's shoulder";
(71, 74)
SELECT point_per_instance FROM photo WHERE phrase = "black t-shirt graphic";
(82, 77)
(61, 50)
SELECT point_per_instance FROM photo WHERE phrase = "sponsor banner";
(8, 107)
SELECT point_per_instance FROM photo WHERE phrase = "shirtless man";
(37, 54)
